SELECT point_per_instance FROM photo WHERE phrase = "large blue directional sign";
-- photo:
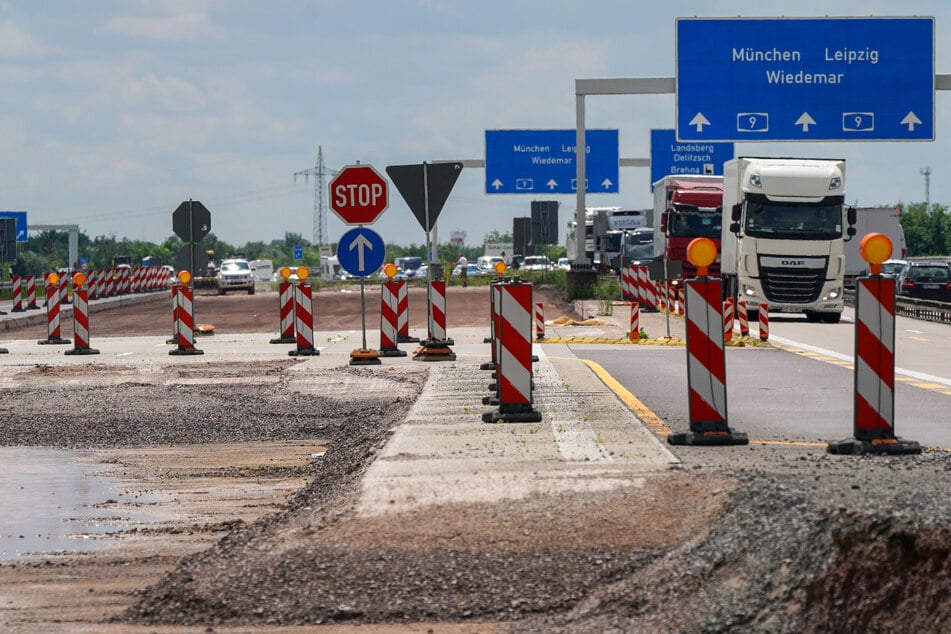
(361, 252)
(543, 162)
(670, 156)
(805, 79)
(21, 227)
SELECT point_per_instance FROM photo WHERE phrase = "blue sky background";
(112, 113)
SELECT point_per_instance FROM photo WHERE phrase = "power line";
(320, 172)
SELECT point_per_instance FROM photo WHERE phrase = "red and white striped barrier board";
(285, 303)
(646, 290)
(662, 296)
(515, 357)
(706, 369)
(110, 282)
(635, 331)
(629, 283)
(743, 317)
(728, 319)
(185, 323)
(31, 293)
(436, 346)
(681, 301)
(304, 322)
(493, 330)
(53, 302)
(64, 284)
(17, 289)
(175, 289)
(763, 322)
(389, 327)
(874, 412)
(81, 321)
(672, 299)
(539, 320)
(402, 315)
(92, 287)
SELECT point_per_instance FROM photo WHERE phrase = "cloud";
(16, 41)
(182, 22)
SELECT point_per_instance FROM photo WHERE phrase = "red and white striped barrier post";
(402, 315)
(111, 275)
(436, 346)
(874, 408)
(184, 309)
(706, 359)
(629, 283)
(515, 360)
(174, 339)
(662, 295)
(539, 320)
(17, 289)
(743, 317)
(64, 284)
(303, 318)
(681, 301)
(672, 298)
(493, 329)
(31, 293)
(646, 291)
(763, 316)
(728, 319)
(81, 317)
(389, 318)
(635, 331)
(285, 304)
(92, 287)
(53, 312)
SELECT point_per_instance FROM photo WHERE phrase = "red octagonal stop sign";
(358, 194)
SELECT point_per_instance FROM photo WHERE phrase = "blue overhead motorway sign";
(361, 252)
(543, 161)
(21, 226)
(670, 156)
(805, 79)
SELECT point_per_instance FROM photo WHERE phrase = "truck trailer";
(784, 244)
(883, 220)
(685, 208)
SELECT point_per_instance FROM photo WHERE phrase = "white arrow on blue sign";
(361, 252)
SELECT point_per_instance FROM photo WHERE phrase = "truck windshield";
(799, 221)
(689, 221)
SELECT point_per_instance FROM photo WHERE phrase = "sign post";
(805, 79)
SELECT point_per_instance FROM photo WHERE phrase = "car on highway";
(892, 268)
(536, 263)
(234, 274)
(564, 264)
(925, 280)
(486, 263)
(472, 270)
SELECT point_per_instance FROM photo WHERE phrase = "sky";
(114, 112)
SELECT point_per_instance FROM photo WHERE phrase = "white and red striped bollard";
(635, 331)
(628, 283)
(185, 322)
(539, 320)
(81, 317)
(728, 319)
(681, 301)
(706, 368)
(493, 331)
(436, 346)
(389, 319)
(662, 296)
(304, 321)
(17, 289)
(31, 293)
(515, 360)
(763, 316)
(874, 405)
(64, 284)
(402, 315)
(53, 328)
(646, 290)
(110, 282)
(743, 317)
(285, 305)
(91, 285)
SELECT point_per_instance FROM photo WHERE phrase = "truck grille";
(794, 286)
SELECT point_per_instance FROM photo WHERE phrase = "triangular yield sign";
(440, 179)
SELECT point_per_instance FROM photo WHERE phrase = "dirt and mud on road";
(252, 472)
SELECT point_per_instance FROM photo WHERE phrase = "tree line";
(927, 231)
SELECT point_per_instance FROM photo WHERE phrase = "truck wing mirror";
(851, 232)
(735, 228)
(663, 221)
(735, 214)
(852, 217)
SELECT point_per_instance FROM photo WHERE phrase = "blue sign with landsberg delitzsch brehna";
(543, 161)
(805, 79)
(672, 157)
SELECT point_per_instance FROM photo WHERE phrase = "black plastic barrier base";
(889, 446)
(531, 416)
(284, 340)
(708, 438)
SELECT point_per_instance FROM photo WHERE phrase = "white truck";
(604, 231)
(884, 220)
(784, 244)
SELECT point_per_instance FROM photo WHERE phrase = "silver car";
(234, 275)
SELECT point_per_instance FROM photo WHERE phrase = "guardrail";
(924, 309)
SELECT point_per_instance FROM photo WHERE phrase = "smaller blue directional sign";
(21, 227)
(670, 156)
(361, 252)
(543, 162)
(298, 253)
(805, 79)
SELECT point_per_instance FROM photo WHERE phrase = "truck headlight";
(833, 294)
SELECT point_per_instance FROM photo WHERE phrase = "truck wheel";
(812, 316)
(831, 318)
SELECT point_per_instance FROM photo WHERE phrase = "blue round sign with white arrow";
(361, 252)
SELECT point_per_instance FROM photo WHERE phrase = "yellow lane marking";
(931, 386)
(919, 339)
(649, 418)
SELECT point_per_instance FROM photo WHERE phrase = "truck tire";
(831, 318)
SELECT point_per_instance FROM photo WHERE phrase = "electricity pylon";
(320, 172)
